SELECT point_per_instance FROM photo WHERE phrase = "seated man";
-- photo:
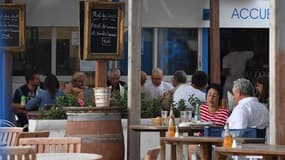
(28, 91)
(156, 87)
(184, 91)
(114, 76)
(248, 112)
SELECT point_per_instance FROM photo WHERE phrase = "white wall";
(156, 13)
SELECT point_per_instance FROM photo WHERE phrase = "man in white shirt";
(156, 87)
(249, 112)
(184, 91)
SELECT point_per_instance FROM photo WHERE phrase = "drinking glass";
(183, 116)
(164, 117)
(188, 116)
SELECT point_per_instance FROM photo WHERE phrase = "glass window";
(37, 55)
(67, 50)
(146, 55)
(177, 50)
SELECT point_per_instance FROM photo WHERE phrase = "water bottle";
(197, 113)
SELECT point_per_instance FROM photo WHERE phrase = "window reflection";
(178, 50)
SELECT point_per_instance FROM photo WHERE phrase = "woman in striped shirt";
(211, 111)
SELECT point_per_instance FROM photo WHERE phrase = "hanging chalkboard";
(12, 27)
(103, 30)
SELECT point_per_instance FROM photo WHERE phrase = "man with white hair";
(114, 76)
(156, 87)
(249, 112)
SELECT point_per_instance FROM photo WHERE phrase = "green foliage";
(181, 106)
(67, 100)
(71, 100)
(119, 101)
(194, 101)
(150, 109)
(55, 112)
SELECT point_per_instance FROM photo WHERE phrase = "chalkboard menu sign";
(103, 32)
(12, 27)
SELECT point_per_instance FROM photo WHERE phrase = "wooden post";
(277, 72)
(215, 64)
(101, 73)
(134, 67)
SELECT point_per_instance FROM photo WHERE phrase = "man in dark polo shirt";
(28, 90)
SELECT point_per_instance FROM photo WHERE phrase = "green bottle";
(197, 113)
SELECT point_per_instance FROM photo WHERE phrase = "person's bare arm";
(17, 107)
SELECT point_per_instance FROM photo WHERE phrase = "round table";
(68, 156)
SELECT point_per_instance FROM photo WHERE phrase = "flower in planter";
(70, 100)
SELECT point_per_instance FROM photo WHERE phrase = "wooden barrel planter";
(101, 131)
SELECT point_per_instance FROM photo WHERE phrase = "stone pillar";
(277, 72)
(134, 67)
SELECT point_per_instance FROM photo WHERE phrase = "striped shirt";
(218, 118)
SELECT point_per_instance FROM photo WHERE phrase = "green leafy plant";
(194, 101)
(71, 100)
(55, 112)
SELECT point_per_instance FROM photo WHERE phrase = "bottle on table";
(23, 100)
(228, 139)
(171, 124)
(197, 113)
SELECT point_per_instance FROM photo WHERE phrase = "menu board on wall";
(103, 32)
(12, 27)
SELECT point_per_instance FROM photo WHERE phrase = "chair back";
(17, 153)
(54, 144)
(6, 123)
(211, 131)
(32, 135)
(152, 154)
(9, 135)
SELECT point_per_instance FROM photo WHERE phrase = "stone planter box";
(55, 127)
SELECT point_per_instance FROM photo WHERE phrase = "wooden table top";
(254, 149)
(68, 156)
(152, 128)
(213, 140)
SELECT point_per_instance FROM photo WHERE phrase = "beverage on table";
(171, 124)
(228, 139)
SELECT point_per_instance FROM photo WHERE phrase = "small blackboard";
(12, 27)
(104, 25)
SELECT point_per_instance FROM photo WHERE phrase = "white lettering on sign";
(251, 13)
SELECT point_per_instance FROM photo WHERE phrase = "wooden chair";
(32, 135)
(6, 123)
(8, 135)
(17, 153)
(152, 154)
(53, 144)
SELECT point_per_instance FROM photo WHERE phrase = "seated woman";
(48, 96)
(211, 111)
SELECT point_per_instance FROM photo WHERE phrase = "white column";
(134, 67)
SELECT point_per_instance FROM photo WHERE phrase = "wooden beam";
(134, 67)
(101, 73)
(277, 72)
(215, 64)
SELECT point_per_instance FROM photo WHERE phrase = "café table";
(205, 145)
(68, 156)
(268, 151)
(189, 129)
